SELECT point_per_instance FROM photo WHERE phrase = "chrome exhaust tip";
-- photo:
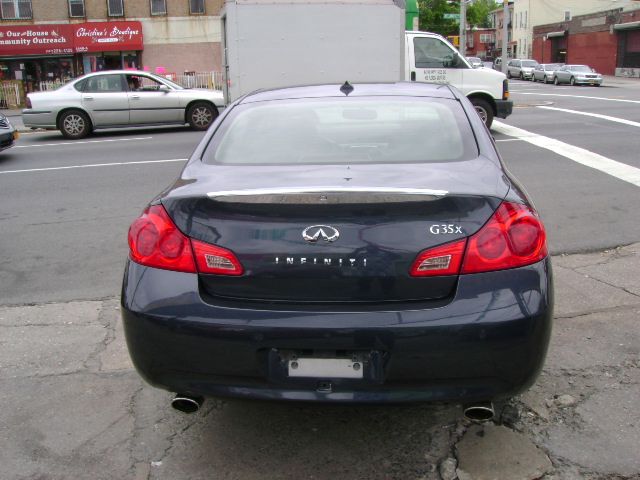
(187, 403)
(479, 412)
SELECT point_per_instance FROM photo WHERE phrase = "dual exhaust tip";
(476, 412)
(187, 403)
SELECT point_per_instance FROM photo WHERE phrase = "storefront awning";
(626, 26)
(67, 39)
(560, 33)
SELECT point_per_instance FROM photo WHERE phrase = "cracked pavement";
(74, 407)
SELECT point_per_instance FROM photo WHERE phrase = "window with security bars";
(115, 8)
(16, 9)
(196, 7)
(76, 8)
(158, 7)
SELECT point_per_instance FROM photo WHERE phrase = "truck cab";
(431, 58)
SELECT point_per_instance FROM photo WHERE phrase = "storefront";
(37, 54)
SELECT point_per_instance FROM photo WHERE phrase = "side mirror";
(164, 88)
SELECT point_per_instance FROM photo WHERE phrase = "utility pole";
(505, 35)
(463, 28)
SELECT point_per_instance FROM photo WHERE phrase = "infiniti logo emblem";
(325, 232)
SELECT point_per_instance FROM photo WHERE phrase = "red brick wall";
(541, 50)
(596, 49)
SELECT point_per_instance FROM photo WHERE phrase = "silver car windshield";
(346, 131)
(580, 68)
(529, 63)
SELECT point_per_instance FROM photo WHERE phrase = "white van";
(277, 43)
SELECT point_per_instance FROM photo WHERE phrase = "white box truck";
(279, 43)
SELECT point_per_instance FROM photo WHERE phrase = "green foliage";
(432, 14)
(478, 12)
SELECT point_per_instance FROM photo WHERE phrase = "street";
(74, 407)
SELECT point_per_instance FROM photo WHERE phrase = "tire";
(74, 124)
(556, 81)
(508, 73)
(572, 82)
(200, 115)
(544, 80)
(484, 109)
(521, 76)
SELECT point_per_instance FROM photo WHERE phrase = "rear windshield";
(344, 131)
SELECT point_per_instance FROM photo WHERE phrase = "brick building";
(480, 42)
(608, 41)
(53, 40)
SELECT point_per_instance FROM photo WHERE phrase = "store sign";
(70, 38)
(107, 36)
(36, 39)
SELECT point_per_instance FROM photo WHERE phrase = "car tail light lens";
(215, 260)
(442, 260)
(505, 89)
(155, 241)
(513, 237)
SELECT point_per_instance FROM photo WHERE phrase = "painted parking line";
(83, 142)
(579, 155)
(595, 115)
(94, 165)
(580, 96)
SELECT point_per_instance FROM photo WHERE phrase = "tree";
(478, 12)
(432, 16)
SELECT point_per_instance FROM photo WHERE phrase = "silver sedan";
(577, 75)
(544, 72)
(120, 98)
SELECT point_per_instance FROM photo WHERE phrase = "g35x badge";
(445, 229)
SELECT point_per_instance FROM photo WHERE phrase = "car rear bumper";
(504, 108)
(489, 341)
(39, 119)
(7, 138)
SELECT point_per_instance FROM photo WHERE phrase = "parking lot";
(75, 408)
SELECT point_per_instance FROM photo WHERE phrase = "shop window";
(76, 8)
(196, 7)
(16, 9)
(158, 7)
(115, 8)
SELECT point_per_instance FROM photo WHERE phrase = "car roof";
(398, 89)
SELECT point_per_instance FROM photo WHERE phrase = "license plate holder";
(310, 367)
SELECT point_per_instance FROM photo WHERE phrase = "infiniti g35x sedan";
(354, 243)
(116, 99)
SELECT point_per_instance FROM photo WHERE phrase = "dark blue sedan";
(354, 243)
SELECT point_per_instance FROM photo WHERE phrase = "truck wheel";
(200, 115)
(484, 110)
(74, 124)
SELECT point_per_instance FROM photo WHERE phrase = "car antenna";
(346, 88)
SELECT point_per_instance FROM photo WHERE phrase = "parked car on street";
(120, 98)
(519, 68)
(497, 64)
(8, 134)
(543, 72)
(354, 243)
(577, 75)
(475, 62)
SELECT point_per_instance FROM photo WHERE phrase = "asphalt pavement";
(73, 407)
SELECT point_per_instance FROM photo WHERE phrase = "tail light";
(28, 103)
(513, 237)
(155, 241)
(505, 89)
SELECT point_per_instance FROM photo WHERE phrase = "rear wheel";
(508, 73)
(484, 110)
(572, 81)
(201, 115)
(521, 76)
(556, 81)
(74, 124)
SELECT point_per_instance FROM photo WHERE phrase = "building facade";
(55, 40)
(608, 41)
(528, 14)
(497, 21)
(481, 42)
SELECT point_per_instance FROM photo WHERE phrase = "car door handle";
(135, 97)
(86, 97)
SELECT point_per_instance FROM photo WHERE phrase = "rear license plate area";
(325, 368)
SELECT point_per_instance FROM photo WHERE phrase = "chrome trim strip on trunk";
(304, 190)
